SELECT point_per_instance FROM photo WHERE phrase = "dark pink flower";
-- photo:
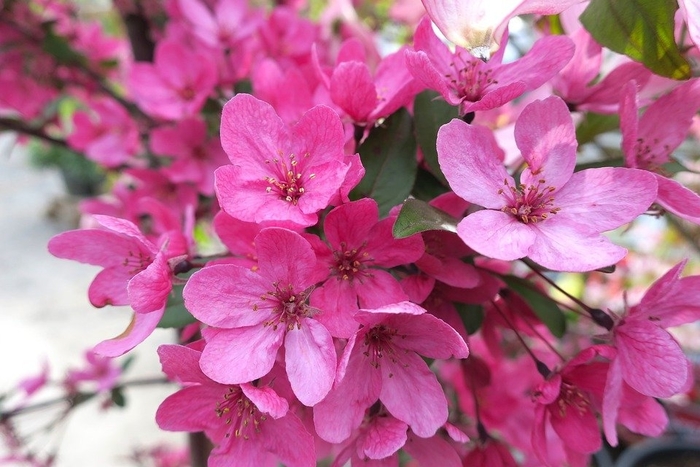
(252, 314)
(553, 215)
(176, 84)
(360, 249)
(249, 425)
(381, 362)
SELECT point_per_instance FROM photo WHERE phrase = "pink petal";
(384, 436)
(140, 327)
(678, 199)
(497, 235)
(412, 393)
(190, 409)
(110, 287)
(428, 336)
(343, 410)
(311, 361)
(227, 296)
(241, 355)
(286, 257)
(651, 360)
(432, 451)
(388, 251)
(629, 123)
(352, 89)
(606, 198)
(577, 427)
(266, 400)
(149, 289)
(612, 398)
(468, 156)
(288, 440)
(642, 414)
(181, 364)
(351, 223)
(561, 246)
(379, 289)
(545, 135)
(337, 301)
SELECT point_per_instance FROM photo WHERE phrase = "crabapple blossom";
(473, 85)
(553, 215)
(279, 173)
(253, 313)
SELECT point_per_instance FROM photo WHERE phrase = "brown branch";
(21, 127)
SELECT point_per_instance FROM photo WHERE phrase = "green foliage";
(641, 29)
(544, 307)
(472, 316)
(389, 158)
(595, 124)
(431, 112)
(176, 315)
(418, 216)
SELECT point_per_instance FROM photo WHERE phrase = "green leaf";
(176, 315)
(389, 158)
(430, 113)
(427, 186)
(675, 166)
(472, 316)
(595, 124)
(59, 47)
(612, 162)
(544, 307)
(418, 216)
(641, 29)
(118, 398)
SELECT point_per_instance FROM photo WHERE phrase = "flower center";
(529, 203)
(289, 308)
(350, 262)
(137, 262)
(287, 179)
(239, 413)
(571, 396)
(469, 79)
(378, 343)
(648, 159)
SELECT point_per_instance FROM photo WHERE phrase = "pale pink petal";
(690, 9)
(241, 355)
(642, 414)
(227, 296)
(97, 247)
(412, 393)
(678, 199)
(311, 361)
(468, 156)
(545, 136)
(629, 123)
(661, 289)
(497, 235)
(606, 198)
(561, 246)
(652, 362)
(140, 327)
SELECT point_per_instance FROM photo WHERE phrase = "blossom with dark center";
(249, 425)
(253, 313)
(552, 215)
(360, 248)
(381, 361)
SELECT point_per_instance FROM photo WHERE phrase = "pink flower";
(136, 272)
(361, 248)
(648, 358)
(195, 155)
(279, 173)
(103, 371)
(249, 425)
(253, 314)
(107, 135)
(648, 141)
(554, 216)
(478, 25)
(467, 81)
(381, 362)
(176, 84)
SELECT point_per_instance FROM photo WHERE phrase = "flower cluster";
(377, 217)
